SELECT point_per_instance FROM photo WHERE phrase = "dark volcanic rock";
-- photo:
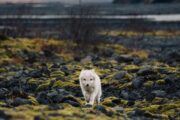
(71, 98)
(54, 96)
(3, 93)
(36, 73)
(119, 109)
(55, 107)
(146, 71)
(150, 96)
(20, 101)
(108, 52)
(120, 75)
(30, 57)
(73, 103)
(3, 116)
(130, 102)
(100, 108)
(42, 98)
(103, 110)
(123, 58)
(137, 82)
(171, 56)
(159, 93)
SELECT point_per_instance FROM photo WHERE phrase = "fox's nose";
(87, 85)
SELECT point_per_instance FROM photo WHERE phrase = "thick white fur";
(93, 91)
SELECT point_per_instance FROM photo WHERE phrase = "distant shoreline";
(158, 18)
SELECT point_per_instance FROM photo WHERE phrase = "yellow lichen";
(148, 84)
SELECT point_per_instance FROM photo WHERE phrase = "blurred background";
(134, 46)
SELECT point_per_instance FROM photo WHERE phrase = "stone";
(87, 59)
(73, 103)
(100, 108)
(119, 109)
(137, 82)
(42, 97)
(107, 52)
(159, 93)
(123, 58)
(120, 75)
(55, 107)
(35, 74)
(146, 71)
(55, 97)
(3, 115)
(20, 101)
(3, 93)
(130, 102)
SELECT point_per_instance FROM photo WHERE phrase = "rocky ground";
(39, 80)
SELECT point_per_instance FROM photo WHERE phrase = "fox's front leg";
(92, 98)
(87, 98)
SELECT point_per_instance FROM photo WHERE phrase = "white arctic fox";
(91, 86)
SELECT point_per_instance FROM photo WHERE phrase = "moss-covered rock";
(152, 108)
(161, 82)
(33, 100)
(62, 84)
(43, 86)
(131, 68)
(2, 70)
(57, 74)
(148, 84)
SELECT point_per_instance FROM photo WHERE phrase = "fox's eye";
(84, 79)
(91, 79)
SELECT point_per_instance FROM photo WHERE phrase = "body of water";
(159, 18)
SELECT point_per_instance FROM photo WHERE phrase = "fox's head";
(87, 78)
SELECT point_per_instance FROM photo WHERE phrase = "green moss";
(171, 112)
(57, 74)
(2, 70)
(152, 108)
(128, 77)
(108, 101)
(76, 99)
(32, 81)
(157, 116)
(131, 67)
(148, 84)
(125, 86)
(33, 100)
(43, 86)
(160, 82)
(128, 110)
(2, 103)
(113, 101)
(102, 72)
(158, 100)
(64, 84)
(169, 106)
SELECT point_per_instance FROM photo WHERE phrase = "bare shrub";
(82, 26)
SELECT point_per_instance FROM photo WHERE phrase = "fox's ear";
(82, 70)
